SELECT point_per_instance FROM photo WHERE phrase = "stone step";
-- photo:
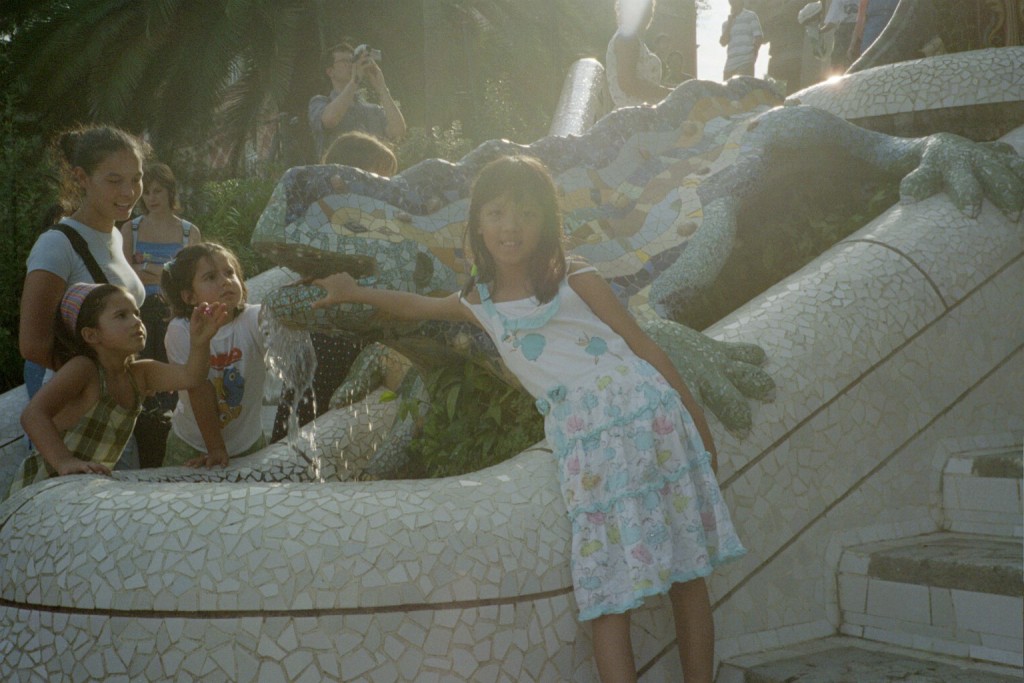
(851, 660)
(981, 492)
(949, 593)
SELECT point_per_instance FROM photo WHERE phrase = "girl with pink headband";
(80, 421)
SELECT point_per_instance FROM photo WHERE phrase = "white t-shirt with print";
(237, 371)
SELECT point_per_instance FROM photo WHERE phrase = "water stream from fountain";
(291, 359)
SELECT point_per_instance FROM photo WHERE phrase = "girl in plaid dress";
(80, 421)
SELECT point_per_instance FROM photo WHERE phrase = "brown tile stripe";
(908, 259)
(293, 613)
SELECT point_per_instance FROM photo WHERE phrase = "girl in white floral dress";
(635, 456)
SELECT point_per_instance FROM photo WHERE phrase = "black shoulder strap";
(82, 249)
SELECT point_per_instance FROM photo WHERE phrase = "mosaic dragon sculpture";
(651, 197)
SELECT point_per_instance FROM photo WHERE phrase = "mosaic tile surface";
(651, 197)
(961, 79)
(880, 349)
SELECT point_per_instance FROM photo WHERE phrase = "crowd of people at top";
(636, 73)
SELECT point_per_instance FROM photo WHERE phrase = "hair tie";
(473, 271)
(71, 303)
(168, 264)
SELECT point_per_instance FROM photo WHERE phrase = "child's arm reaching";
(342, 288)
(203, 400)
(58, 406)
(154, 376)
(592, 288)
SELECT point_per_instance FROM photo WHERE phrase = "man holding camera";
(345, 109)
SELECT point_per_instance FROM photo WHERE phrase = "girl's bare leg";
(613, 649)
(695, 630)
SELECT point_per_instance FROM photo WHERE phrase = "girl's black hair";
(86, 147)
(519, 178)
(181, 270)
(67, 343)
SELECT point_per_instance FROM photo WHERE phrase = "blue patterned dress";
(645, 506)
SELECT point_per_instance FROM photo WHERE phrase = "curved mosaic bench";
(253, 573)
(984, 82)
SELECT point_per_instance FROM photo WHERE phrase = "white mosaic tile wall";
(954, 80)
(866, 463)
(907, 334)
(981, 505)
(959, 623)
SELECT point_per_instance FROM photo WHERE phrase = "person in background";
(362, 150)
(633, 71)
(841, 18)
(742, 38)
(675, 70)
(345, 109)
(872, 17)
(150, 240)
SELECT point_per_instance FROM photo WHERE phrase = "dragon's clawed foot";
(969, 172)
(722, 375)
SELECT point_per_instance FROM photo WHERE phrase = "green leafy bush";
(473, 420)
(27, 189)
(227, 210)
(432, 143)
(496, 116)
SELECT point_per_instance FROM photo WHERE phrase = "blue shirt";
(362, 116)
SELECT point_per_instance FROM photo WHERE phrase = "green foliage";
(178, 70)
(227, 210)
(500, 115)
(27, 189)
(473, 420)
(433, 143)
(497, 116)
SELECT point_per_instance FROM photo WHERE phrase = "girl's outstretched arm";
(58, 406)
(342, 288)
(593, 289)
(153, 375)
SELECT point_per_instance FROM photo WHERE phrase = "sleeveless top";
(562, 342)
(648, 68)
(99, 436)
(157, 253)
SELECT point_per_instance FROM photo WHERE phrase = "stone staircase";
(938, 608)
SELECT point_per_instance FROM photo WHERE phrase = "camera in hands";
(364, 49)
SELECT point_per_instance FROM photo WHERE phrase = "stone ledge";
(843, 660)
(968, 562)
